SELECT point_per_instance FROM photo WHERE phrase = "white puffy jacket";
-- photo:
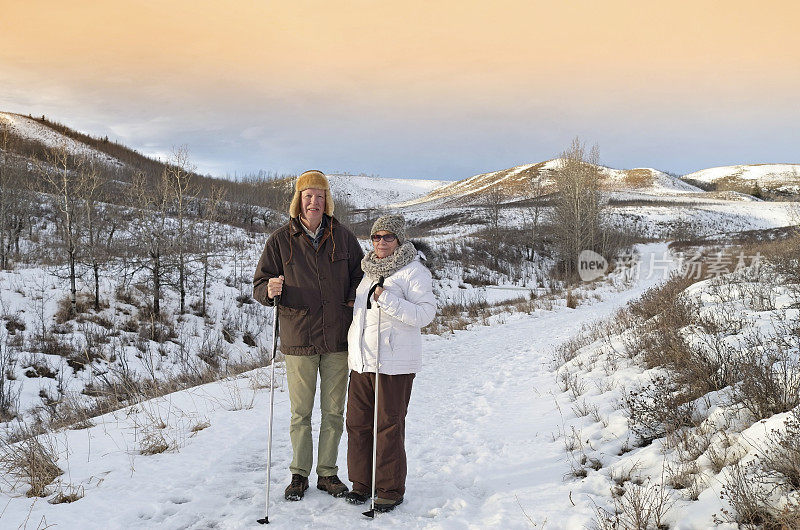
(406, 305)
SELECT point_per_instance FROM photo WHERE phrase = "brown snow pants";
(394, 393)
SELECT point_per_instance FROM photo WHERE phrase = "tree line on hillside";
(73, 212)
(249, 199)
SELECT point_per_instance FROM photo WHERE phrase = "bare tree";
(61, 180)
(20, 214)
(179, 172)
(208, 237)
(16, 207)
(533, 216)
(4, 193)
(493, 200)
(99, 226)
(577, 209)
(151, 231)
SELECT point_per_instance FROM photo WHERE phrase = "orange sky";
(389, 61)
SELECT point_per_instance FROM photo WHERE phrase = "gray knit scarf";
(375, 267)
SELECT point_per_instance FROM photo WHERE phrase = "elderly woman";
(401, 306)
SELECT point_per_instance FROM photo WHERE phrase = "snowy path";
(480, 441)
(487, 408)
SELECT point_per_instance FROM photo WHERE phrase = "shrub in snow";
(636, 507)
(765, 492)
(32, 460)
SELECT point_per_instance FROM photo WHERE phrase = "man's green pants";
(301, 376)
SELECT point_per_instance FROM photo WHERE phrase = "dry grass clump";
(685, 477)
(32, 460)
(451, 317)
(51, 344)
(14, 323)
(154, 442)
(199, 426)
(658, 409)
(770, 375)
(65, 310)
(765, 493)
(237, 398)
(654, 301)
(636, 507)
(38, 368)
(572, 300)
(568, 350)
(66, 494)
(756, 502)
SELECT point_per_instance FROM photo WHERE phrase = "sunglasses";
(386, 237)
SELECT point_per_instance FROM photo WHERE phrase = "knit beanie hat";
(395, 224)
(311, 179)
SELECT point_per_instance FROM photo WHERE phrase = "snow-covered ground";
(704, 218)
(482, 442)
(657, 217)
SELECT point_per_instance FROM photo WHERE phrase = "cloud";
(382, 90)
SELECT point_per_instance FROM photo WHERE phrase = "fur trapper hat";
(395, 224)
(311, 179)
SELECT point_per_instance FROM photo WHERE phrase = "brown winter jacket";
(318, 284)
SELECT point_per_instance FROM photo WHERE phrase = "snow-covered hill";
(30, 129)
(374, 192)
(532, 180)
(776, 177)
(644, 201)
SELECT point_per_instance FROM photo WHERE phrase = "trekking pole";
(371, 512)
(277, 300)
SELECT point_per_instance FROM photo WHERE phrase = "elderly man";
(314, 264)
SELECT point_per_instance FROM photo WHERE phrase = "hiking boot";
(332, 485)
(386, 505)
(356, 497)
(298, 487)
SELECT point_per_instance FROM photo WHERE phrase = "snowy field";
(482, 440)
(660, 216)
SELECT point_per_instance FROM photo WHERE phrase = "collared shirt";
(316, 236)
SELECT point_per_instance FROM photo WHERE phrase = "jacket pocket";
(295, 328)
(340, 255)
(387, 344)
